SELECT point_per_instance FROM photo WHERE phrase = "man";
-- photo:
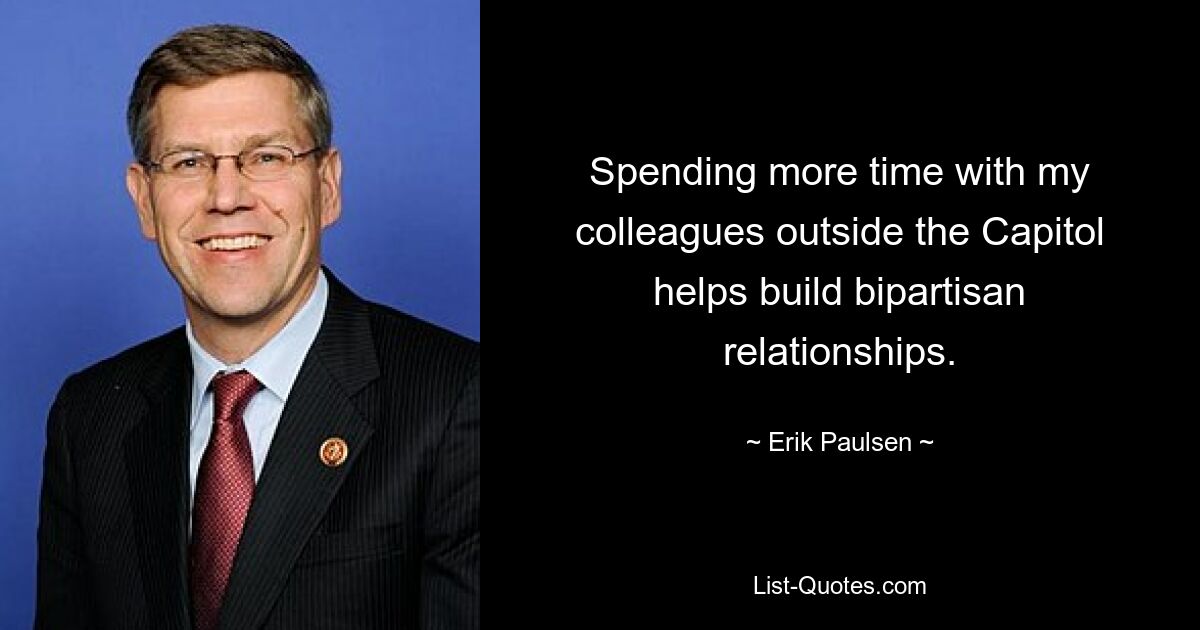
(294, 457)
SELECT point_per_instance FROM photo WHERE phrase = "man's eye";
(267, 157)
(185, 164)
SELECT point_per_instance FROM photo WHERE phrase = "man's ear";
(330, 172)
(137, 183)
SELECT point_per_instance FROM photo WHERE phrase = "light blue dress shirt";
(275, 365)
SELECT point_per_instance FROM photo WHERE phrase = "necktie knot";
(232, 391)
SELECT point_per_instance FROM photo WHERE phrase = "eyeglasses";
(260, 164)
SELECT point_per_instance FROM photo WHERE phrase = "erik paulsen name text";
(802, 442)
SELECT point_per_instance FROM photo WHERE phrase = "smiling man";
(294, 456)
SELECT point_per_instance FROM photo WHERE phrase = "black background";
(621, 488)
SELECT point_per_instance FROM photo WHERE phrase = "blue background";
(79, 283)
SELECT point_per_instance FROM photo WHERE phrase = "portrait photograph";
(241, 315)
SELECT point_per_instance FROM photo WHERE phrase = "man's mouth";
(233, 243)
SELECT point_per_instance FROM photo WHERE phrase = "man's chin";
(233, 311)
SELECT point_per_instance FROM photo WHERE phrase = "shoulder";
(415, 345)
(135, 365)
(393, 325)
(401, 343)
(99, 402)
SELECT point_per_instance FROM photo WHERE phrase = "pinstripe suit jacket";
(389, 539)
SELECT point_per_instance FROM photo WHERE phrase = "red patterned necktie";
(224, 488)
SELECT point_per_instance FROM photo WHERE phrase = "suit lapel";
(156, 456)
(295, 487)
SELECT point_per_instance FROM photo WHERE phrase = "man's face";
(234, 278)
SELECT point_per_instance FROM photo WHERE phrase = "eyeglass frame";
(152, 165)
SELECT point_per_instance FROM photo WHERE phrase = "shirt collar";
(277, 363)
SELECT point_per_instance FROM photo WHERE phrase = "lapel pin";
(334, 452)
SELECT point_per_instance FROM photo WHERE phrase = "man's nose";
(229, 189)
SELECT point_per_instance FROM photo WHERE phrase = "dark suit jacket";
(389, 539)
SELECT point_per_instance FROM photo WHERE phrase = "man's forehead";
(279, 136)
(235, 110)
(255, 84)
